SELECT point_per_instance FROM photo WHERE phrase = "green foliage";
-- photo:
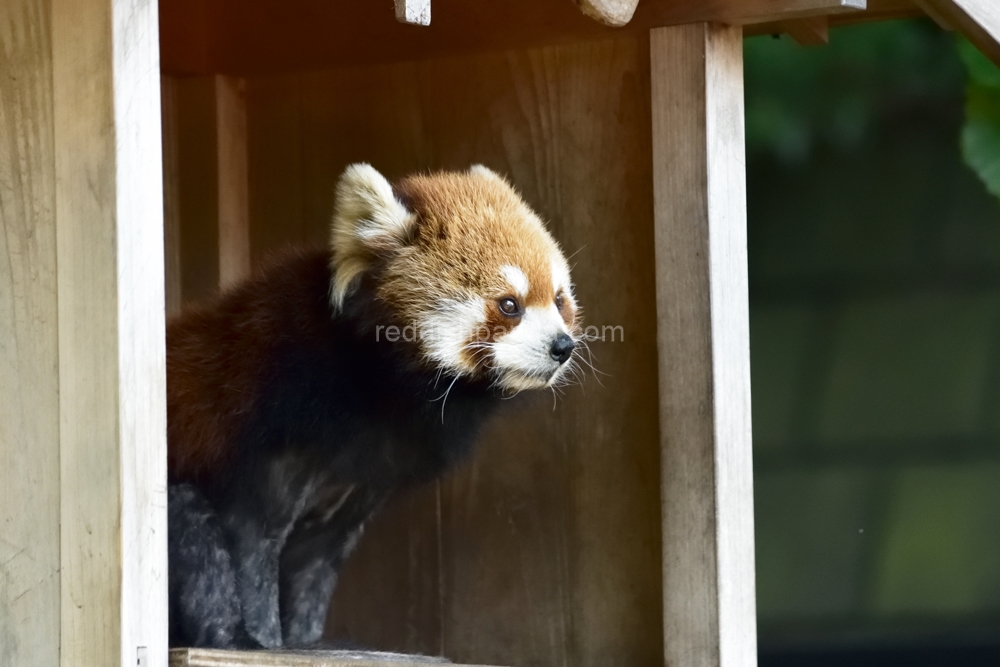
(981, 133)
(799, 99)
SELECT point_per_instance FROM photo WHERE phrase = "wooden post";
(704, 351)
(29, 354)
(109, 250)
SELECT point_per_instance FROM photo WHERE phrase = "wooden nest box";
(149, 153)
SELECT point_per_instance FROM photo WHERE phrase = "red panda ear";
(486, 172)
(368, 221)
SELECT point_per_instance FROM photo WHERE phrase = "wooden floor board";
(201, 657)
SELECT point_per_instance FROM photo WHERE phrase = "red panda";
(302, 399)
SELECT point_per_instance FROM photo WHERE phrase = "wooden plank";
(29, 374)
(614, 13)
(702, 305)
(253, 37)
(234, 206)
(109, 220)
(192, 657)
(978, 20)
(550, 544)
(414, 12)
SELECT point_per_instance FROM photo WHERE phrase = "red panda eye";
(559, 301)
(509, 307)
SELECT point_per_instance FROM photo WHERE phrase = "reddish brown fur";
(470, 226)
(204, 413)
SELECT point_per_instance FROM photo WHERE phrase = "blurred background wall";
(875, 334)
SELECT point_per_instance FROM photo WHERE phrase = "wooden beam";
(704, 350)
(252, 37)
(200, 657)
(978, 20)
(614, 13)
(741, 12)
(809, 31)
(109, 222)
(414, 12)
(29, 352)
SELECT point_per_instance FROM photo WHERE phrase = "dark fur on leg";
(204, 602)
(311, 561)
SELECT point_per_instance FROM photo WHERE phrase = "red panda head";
(465, 264)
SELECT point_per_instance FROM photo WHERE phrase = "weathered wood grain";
(704, 345)
(29, 373)
(109, 222)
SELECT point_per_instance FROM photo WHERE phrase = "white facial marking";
(560, 275)
(522, 356)
(445, 330)
(516, 279)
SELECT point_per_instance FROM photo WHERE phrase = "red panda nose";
(562, 348)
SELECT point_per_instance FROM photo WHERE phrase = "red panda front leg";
(255, 555)
(313, 556)
(205, 607)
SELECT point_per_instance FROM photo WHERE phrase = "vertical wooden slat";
(701, 255)
(205, 184)
(231, 165)
(109, 228)
(197, 185)
(29, 374)
(171, 194)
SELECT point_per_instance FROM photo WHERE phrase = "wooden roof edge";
(256, 37)
(978, 20)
